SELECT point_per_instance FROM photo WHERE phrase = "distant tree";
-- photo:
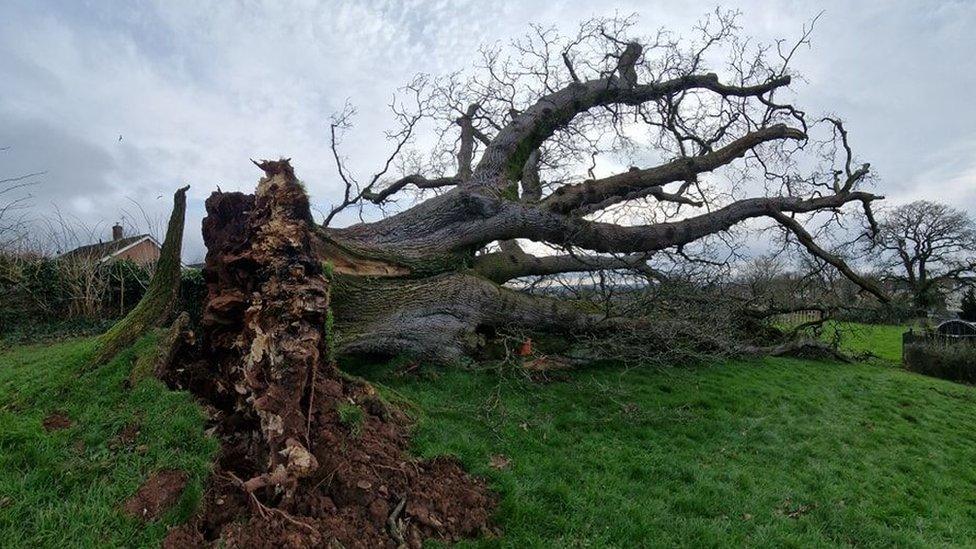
(929, 248)
(968, 311)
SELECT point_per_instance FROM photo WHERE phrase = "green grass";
(883, 341)
(65, 488)
(351, 416)
(773, 453)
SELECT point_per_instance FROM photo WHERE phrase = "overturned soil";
(367, 491)
(160, 492)
(310, 457)
(56, 422)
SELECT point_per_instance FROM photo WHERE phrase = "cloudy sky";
(197, 88)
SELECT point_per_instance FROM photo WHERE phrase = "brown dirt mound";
(160, 491)
(57, 421)
(367, 491)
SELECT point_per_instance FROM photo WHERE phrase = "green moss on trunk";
(156, 305)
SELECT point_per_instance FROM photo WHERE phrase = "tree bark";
(155, 307)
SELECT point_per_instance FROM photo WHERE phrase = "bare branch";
(512, 146)
(561, 229)
(416, 180)
(507, 265)
(466, 151)
(808, 242)
(569, 67)
(569, 198)
(531, 185)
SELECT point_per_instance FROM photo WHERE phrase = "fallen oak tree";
(433, 279)
(315, 457)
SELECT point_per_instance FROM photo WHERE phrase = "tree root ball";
(310, 457)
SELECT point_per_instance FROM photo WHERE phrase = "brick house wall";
(143, 253)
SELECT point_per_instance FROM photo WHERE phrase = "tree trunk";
(398, 290)
(156, 306)
(440, 318)
(265, 317)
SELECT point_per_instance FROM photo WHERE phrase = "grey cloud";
(197, 88)
(73, 167)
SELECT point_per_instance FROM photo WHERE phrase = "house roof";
(106, 250)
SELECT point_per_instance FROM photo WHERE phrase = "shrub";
(952, 360)
(126, 282)
(49, 296)
(40, 295)
(36, 290)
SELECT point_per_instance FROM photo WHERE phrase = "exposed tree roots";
(310, 457)
(366, 492)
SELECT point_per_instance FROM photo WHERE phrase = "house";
(141, 249)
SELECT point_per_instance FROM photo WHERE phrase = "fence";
(796, 318)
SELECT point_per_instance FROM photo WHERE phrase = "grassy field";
(883, 341)
(773, 452)
(65, 488)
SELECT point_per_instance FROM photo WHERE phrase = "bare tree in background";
(928, 248)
